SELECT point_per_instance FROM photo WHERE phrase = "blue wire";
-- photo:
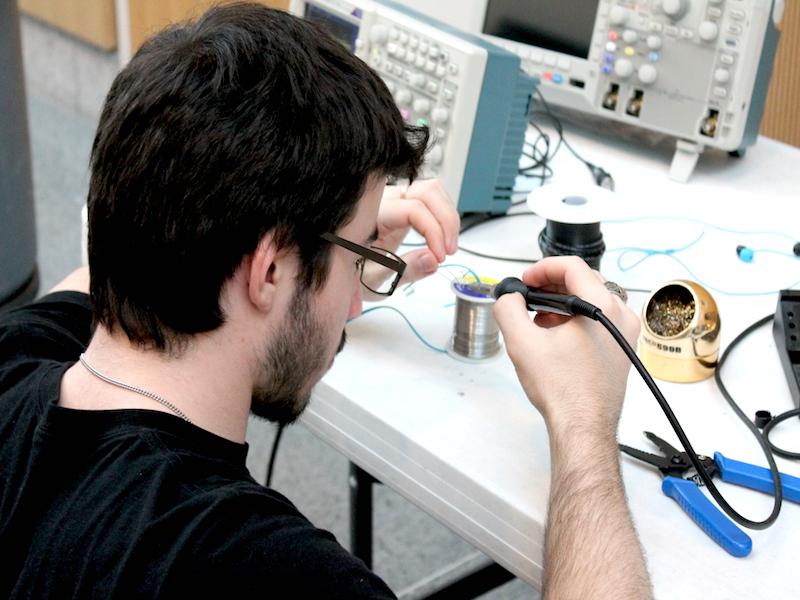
(648, 252)
(771, 251)
(465, 267)
(410, 286)
(705, 224)
(405, 318)
(670, 252)
(414, 329)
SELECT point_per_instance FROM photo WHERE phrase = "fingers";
(436, 200)
(419, 263)
(397, 215)
(570, 274)
(425, 206)
(511, 314)
(394, 191)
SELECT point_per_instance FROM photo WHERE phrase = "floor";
(66, 82)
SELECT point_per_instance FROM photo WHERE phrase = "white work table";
(462, 441)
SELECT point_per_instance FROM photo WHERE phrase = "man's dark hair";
(215, 133)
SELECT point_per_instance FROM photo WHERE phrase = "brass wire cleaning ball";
(679, 340)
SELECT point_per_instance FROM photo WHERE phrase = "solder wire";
(470, 315)
(475, 333)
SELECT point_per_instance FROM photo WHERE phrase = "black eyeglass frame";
(393, 262)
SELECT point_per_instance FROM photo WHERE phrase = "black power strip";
(786, 330)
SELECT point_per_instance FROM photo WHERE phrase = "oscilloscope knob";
(623, 68)
(402, 97)
(647, 74)
(440, 115)
(708, 31)
(675, 9)
(379, 34)
(618, 15)
(422, 106)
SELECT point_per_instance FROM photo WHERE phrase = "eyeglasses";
(381, 269)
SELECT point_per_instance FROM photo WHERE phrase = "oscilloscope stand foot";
(684, 160)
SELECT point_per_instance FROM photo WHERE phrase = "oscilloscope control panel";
(694, 69)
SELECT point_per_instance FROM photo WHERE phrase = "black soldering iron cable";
(676, 426)
(573, 305)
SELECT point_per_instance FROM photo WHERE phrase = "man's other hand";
(425, 207)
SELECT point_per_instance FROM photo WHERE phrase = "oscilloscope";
(472, 94)
(697, 70)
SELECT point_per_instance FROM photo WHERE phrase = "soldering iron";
(562, 304)
(571, 305)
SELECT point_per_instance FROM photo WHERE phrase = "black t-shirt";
(137, 503)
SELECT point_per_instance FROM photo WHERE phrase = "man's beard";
(291, 360)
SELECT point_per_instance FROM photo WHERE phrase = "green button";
(422, 122)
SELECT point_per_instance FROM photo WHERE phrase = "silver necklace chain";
(164, 402)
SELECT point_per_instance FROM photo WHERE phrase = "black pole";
(19, 279)
(361, 514)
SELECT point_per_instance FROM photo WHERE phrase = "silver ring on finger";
(617, 290)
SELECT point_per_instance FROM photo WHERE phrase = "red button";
(547, 75)
(613, 36)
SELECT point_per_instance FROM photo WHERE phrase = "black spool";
(573, 239)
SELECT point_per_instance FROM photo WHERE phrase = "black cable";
(601, 177)
(527, 261)
(274, 453)
(478, 221)
(795, 412)
(541, 157)
(522, 200)
(739, 412)
(676, 426)
(573, 305)
(481, 221)
(514, 259)
(559, 126)
(488, 218)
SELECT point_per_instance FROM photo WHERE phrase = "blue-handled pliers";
(681, 483)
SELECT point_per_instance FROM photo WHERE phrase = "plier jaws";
(672, 461)
(681, 483)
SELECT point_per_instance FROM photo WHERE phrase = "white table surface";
(461, 440)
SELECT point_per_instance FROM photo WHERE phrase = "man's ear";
(267, 269)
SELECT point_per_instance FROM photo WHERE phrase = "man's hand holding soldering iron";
(575, 374)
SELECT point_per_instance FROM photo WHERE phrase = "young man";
(238, 182)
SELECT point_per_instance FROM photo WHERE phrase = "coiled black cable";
(739, 412)
(542, 157)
